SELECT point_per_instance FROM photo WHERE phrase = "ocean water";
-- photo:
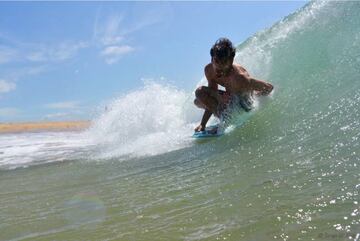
(287, 171)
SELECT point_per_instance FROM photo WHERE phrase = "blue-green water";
(290, 172)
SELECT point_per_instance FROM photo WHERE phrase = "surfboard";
(208, 132)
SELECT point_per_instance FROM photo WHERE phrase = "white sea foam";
(23, 149)
(152, 120)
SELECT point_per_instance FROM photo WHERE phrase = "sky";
(62, 60)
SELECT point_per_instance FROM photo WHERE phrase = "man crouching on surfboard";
(239, 85)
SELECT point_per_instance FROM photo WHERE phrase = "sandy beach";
(43, 126)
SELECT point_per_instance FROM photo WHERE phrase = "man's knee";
(199, 104)
(201, 92)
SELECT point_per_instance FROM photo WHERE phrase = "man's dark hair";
(222, 49)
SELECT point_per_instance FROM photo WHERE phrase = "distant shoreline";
(43, 126)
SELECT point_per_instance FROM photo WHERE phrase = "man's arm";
(207, 114)
(212, 85)
(263, 87)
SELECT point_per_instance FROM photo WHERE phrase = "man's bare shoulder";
(241, 70)
(209, 71)
(241, 78)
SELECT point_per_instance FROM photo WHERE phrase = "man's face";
(222, 67)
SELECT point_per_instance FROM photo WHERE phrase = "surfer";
(239, 85)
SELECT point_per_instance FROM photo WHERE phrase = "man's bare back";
(236, 81)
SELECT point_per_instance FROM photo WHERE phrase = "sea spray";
(154, 119)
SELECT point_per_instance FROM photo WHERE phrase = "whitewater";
(289, 170)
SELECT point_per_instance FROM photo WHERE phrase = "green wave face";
(312, 58)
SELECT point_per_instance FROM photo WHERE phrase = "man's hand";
(261, 87)
(266, 89)
(199, 128)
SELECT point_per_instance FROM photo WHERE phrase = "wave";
(310, 56)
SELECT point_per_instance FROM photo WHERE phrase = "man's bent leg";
(207, 98)
(199, 104)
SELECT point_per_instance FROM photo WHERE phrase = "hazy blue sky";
(59, 60)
